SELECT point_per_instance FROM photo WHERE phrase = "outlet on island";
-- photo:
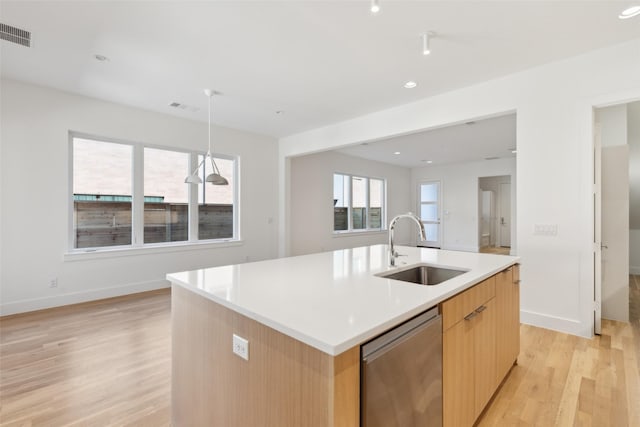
(241, 347)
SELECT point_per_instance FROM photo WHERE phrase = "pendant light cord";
(209, 153)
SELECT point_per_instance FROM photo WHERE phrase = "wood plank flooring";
(107, 363)
(104, 363)
(495, 250)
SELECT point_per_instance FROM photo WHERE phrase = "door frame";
(597, 229)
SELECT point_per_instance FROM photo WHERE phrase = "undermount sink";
(423, 274)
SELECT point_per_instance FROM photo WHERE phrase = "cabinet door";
(458, 391)
(515, 314)
(508, 320)
(484, 340)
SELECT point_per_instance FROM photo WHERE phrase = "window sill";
(352, 233)
(104, 253)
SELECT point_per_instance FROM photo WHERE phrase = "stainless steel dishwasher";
(401, 381)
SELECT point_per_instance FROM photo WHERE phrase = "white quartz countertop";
(333, 300)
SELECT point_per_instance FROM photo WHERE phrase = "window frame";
(137, 201)
(383, 201)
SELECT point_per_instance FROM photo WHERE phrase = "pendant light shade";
(215, 177)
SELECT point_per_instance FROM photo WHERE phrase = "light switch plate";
(241, 347)
(545, 230)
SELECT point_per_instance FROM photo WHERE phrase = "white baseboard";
(560, 324)
(634, 270)
(23, 306)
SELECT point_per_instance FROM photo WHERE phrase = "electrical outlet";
(53, 283)
(241, 347)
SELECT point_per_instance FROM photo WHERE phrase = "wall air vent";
(15, 35)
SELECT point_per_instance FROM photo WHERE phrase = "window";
(102, 193)
(166, 202)
(358, 203)
(215, 202)
(127, 194)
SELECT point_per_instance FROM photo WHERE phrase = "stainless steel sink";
(423, 275)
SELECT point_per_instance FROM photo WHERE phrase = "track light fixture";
(630, 12)
(426, 42)
(375, 6)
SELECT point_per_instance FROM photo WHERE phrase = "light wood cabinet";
(469, 353)
(508, 324)
(284, 383)
(481, 341)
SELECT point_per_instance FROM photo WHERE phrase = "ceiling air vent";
(180, 106)
(15, 35)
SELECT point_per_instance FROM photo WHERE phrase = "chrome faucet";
(392, 225)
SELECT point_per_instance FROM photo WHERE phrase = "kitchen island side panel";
(284, 383)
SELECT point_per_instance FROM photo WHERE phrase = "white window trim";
(151, 248)
(137, 216)
(383, 217)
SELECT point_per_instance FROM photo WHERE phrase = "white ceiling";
(466, 142)
(319, 61)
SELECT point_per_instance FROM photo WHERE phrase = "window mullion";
(193, 201)
(367, 204)
(137, 202)
(350, 209)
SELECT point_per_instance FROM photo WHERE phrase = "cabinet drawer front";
(456, 308)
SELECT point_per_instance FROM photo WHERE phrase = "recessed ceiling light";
(429, 161)
(396, 152)
(514, 151)
(100, 58)
(410, 84)
(630, 12)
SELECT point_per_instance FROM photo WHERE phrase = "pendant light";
(215, 177)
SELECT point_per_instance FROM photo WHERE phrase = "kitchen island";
(305, 318)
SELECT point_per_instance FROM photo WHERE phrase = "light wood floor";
(108, 363)
(495, 250)
(97, 364)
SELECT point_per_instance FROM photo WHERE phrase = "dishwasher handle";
(384, 343)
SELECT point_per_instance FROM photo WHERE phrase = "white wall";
(35, 174)
(460, 204)
(554, 104)
(633, 139)
(312, 201)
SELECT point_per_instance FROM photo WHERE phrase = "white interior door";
(597, 230)
(615, 233)
(430, 213)
(505, 215)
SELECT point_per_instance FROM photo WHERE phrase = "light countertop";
(333, 300)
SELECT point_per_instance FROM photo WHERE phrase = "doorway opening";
(617, 214)
(494, 219)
